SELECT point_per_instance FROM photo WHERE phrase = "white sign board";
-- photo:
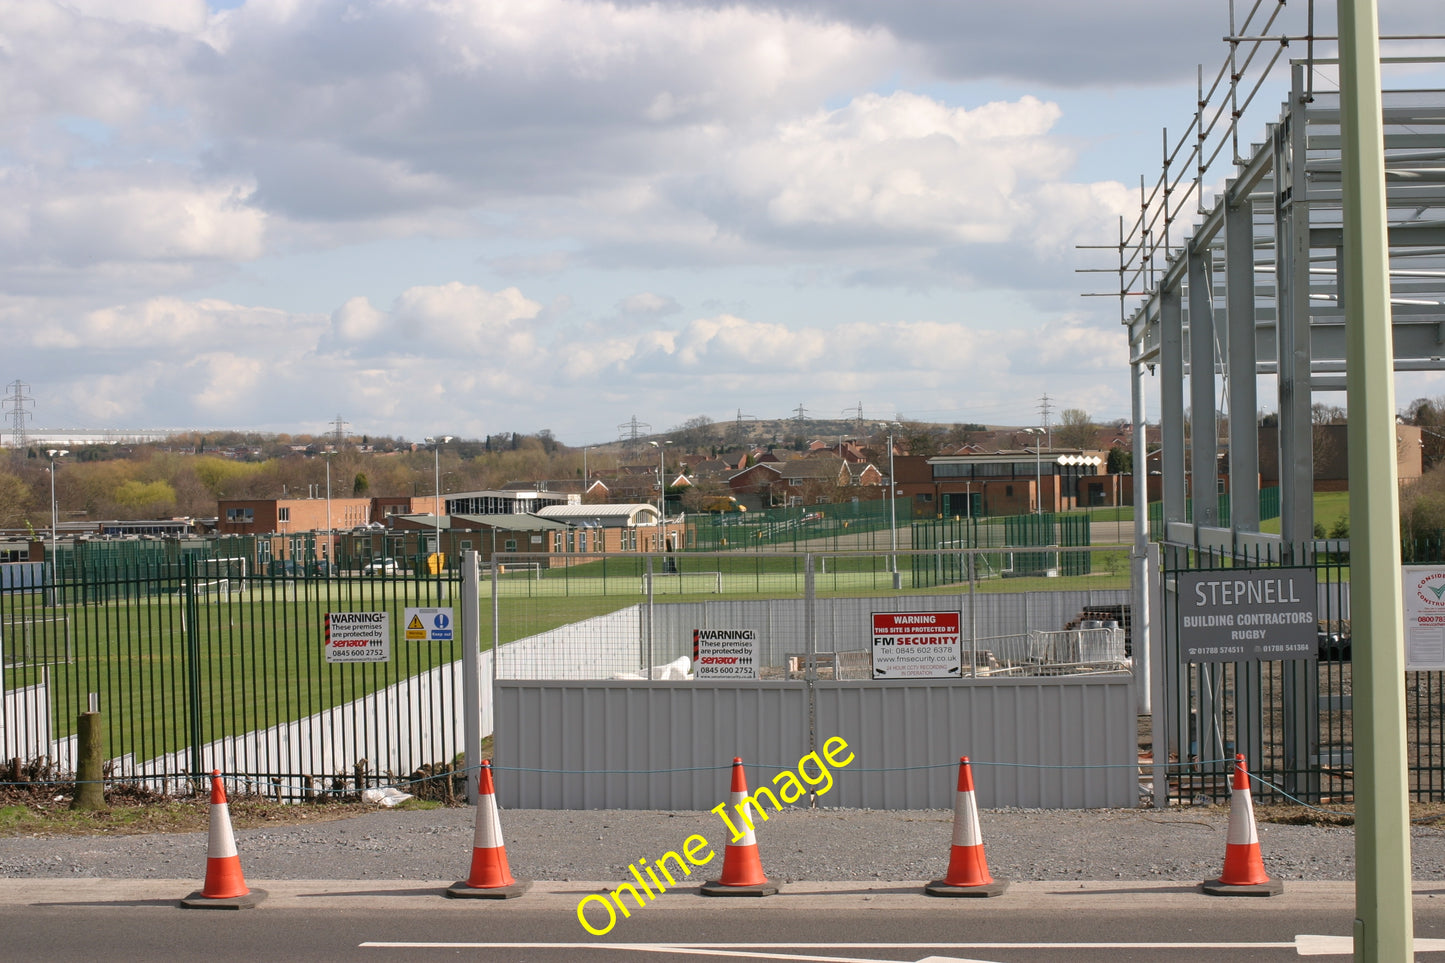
(427, 625)
(917, 645)
(1424, 587)
(358, 637)
(724, 654)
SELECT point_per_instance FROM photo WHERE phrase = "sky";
(481, 216)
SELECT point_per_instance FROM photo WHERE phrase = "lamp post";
(1038, 466)
(54, 453)
(436, 452)
(661, 490)
(585, 476)
(892, 508)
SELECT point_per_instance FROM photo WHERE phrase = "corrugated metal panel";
(1064, 743)
(1030, 741)
(626, 733)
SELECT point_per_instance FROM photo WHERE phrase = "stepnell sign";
(1232, 615)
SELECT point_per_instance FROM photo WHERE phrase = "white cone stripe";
(966, 831)
(1242, 831)
(750, 838)
(221, 844)
(489, 824)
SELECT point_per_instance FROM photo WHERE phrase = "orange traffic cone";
(742, 872)
(491, 877)
(1244, 873)
(967, 868)
(225, 886)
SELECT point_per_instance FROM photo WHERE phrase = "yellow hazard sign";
(415, 630)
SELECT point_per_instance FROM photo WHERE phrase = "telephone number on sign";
(1218, 650)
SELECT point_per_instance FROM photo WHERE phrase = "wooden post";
(89, 790)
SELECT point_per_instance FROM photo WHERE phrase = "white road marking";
(768, 951)
(1345, 945)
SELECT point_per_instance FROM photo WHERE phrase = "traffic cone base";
(460, 890)
(1215, 887)
(940, 887)
(715, 887)
(490, 876)
(742, 872)
(198, 900)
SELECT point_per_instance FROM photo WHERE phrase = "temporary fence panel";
(1050, 743)
(640, 745)
(1056, 743)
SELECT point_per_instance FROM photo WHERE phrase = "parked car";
(382, 566)
(281, 566)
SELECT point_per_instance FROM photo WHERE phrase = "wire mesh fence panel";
(785, 615)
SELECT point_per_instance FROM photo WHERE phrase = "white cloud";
(451, 320)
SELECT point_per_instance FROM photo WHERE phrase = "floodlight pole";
(54, 514)
(436, 452)
(661, 491)
(892, 509)
(1038, 470)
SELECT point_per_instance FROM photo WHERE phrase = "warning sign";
(358, 637)
(724, 654)
(917, 645)
(427, 625)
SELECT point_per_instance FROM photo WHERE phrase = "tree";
(1076, 429)
(1121, 461)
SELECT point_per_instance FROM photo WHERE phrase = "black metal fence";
(199, 661)
(1292, 719)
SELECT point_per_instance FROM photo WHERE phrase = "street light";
(892, 507)
(585, 450)
(661, 489)
(54, 453)
(1038, 465)
(436, 451)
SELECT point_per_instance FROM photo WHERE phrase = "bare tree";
(1076, 429)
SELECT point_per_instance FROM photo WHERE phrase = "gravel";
(820, 845)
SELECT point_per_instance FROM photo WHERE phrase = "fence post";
(646, 666)
(191, 627)
(471, 618)
(1153, 668)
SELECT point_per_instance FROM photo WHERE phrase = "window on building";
(240, 516)
(1008, 489)
(283, 514)
(511, 545)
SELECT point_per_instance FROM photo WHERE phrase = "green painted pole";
(1384, 925)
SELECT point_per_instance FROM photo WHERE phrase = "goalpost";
(36, 641)
(231, 570)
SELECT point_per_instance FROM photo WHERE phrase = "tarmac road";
(1114, 922)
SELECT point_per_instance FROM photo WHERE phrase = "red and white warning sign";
(917, 645)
